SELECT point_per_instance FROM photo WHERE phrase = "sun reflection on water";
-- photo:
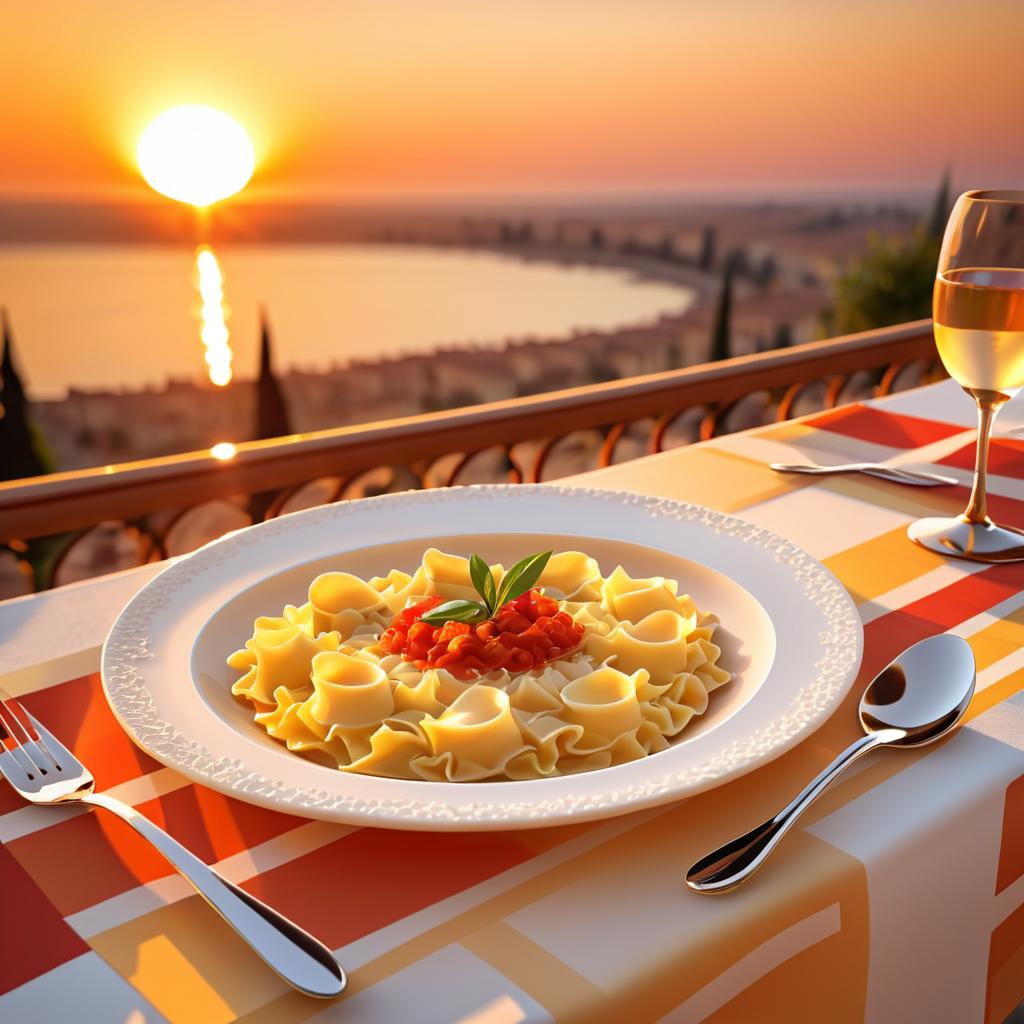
(213, 328)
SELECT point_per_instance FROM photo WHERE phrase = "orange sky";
(391, 97)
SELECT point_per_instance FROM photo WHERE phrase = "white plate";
(789, 633)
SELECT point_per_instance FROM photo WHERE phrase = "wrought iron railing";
(69, 526)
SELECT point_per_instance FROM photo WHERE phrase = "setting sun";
(196, 155)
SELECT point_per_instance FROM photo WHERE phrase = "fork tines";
(22, 739)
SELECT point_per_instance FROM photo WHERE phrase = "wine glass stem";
(977, 507)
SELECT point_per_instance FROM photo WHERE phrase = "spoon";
(891, 473)
(916, 699)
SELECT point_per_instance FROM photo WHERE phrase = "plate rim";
(127, 644)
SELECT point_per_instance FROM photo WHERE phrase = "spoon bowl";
(924, 692)
(916, 699)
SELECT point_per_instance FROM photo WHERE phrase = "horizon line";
(320, 196)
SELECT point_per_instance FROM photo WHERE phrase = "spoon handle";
(735, 861)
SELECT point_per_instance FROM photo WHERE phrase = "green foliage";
(42, 556)
(893, 283)
(890, 285)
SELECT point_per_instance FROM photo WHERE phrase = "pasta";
(324, 681)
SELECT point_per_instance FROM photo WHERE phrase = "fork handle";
(908, 476)
(303, 961)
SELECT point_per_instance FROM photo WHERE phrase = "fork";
(43, 771)
(891, 473)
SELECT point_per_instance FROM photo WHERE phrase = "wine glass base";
(978, 542)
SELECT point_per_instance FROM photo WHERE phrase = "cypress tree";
(673, 355)
(783, 337)
(22, 452)
(708, 244)
(272, 418)
(721, 330)
(940, 209)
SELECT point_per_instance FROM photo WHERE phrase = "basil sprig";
(517, 581)
(456, 611)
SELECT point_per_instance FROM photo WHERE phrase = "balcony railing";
(69, 526)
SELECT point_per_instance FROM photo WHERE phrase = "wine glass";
(978, 313)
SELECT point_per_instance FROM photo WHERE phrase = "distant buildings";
(96, 428)
(785, 258)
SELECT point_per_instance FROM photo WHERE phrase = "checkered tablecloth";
(900, 899)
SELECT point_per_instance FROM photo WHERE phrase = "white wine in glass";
(978, 314)
(979, 328)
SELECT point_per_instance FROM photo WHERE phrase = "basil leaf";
(521, 577)
(483, 581)
(490, 594)
(455, 611)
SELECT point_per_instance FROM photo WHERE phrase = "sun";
(196, 155)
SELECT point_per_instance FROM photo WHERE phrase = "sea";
(115, 317)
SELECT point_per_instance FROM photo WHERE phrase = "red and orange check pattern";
(904, 890)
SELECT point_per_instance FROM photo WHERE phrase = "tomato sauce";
(524, 634)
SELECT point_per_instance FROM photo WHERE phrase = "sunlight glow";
(213, 328)
(223, 450)
(196, 155)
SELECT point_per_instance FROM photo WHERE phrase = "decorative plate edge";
(128, 648)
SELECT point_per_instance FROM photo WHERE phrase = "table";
(900, 899)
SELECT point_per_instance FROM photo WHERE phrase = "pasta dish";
(464, 671)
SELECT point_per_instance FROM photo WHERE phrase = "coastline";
(465, 299)
(88, 427)
(641, 268)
